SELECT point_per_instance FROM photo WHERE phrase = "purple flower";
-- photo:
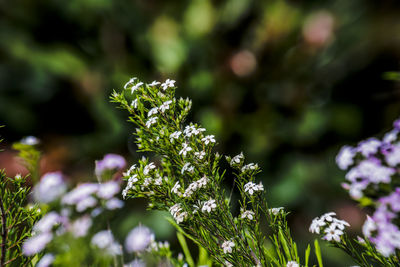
(114, 203)
(37, 243)
(109, 162)
(369, 146)
(30, 140)
(396, 124)
(345, 157)
(46, 260)
(108, 190)
(138, 239)
(81, 226)
(105, 241)
(390, 137)
(84, 204)
(79, 193)
(50, 187)
(392, 155)
(47, 223)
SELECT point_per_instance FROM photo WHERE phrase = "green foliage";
(17, 219)
(30, 158)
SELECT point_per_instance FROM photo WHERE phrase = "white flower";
(148, 167)
(175, 135)
(138, 239)
(131, 169)
(292, 264)
(185, 149)
(158, 181)
(175, 189)
(209, 206)
(133, 179)
(175, 211)
(316, 224)
(152, 112)
(202, 182)
(276, 211)
(130, 82)
(328, 216)
(187, 168)
(147, 181)
(168, 83)
(154, 83)
(332, 233)
(237, 159)
(227, 246)
(30, 140)
(151, 121)
(251, 187)
(47, 222)
(247, 214)
(250, 166)
(200, 155)
(136, 86)
(134, 103)
(191, 189)
(165, 106)
(208, 139)
(191, 130)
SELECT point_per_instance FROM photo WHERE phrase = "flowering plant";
(372, 179)
(185, 179)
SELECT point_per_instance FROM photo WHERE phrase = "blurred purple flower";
(79, 193)
(369, 146)
(37, 243)
(392, 155)
(109, 162)
(396, 124)
(50, 187)
(345, 157)
(46, 260)
(81, 226)
(114, 203)
(108, 190)
(47, 222)
(138, 239)
(105, 240)
(135, 263)
(84, 204)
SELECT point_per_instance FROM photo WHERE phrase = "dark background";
(286, 82)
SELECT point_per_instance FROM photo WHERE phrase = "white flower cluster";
(191, 130)
(247, 214)
(176, 212)
(227, 246)
(251, 187)
(332, 227)
(209, 206)
(275, 211)
(202, 182)
(249, 167)
(237, 160)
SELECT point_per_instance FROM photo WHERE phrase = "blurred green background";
(286, 82)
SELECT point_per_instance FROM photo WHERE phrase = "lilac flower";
(81, 226)
(46, 260)
(84, 204)
(47, 222)
(114, 203)
(345, 157)
(105, 241)
(36, 244)
(369, 146)
(138, 239)
(391, 136)
(80, 193)
(392, 156)
(108, 190)
(50, 187)
(396, 124)
(109, 162)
